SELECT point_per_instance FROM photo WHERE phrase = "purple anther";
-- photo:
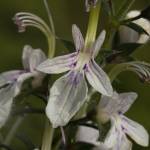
(19, 23)
(85, 67)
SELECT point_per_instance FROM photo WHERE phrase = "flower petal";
(5, 111)
(125, 144)
(27, 50)
(116, 138)
(20, 80)
(117, 103)
(122, 143)
(58, 64)
(67, 95)
(126, 100)
(87, 135)
(7, 93)
(110, 104)
(98, 43)
(136, 131)
(98, 79)
(77, 37)
(112, 135)
(9, 77)
(37, 57)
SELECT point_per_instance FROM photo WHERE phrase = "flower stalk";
(92, 25)
(116, 70)
(13, 130)
(49, 130)
(51, 41)
(48, 136)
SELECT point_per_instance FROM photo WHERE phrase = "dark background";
(65, 13)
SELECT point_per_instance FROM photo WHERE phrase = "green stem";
(89, 39)
(92, 26)
(114, 24)
(117, 70)
(49, 130)
(51, 47)
(48, 136)
(110, 32)
(13, 130)
(51, 41)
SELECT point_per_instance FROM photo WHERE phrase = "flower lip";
(75, 77)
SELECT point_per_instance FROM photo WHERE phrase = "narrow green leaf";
(128, 48)
(136, 27)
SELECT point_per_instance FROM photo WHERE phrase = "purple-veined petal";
(117, 103)
(36, 58)
(122, 143)
(67, 95)
(87, 135)
(5, 111)
(125, 143)
(20, 80)
(9, 76)
(98, 43)
(58, 64)
(110, 104)
(77, 37)
(116, 138)
(136, 131)
(98, 79)
(112, 135)
(126, 100)
(27, 50)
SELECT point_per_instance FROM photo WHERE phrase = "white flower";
(87, 135)
(69, 92)
(114, 107)
(129, 35)
(11, 81)
(90, 135)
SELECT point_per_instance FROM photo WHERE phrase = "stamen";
(24, 19)
(85, 67)
(19, 23)
(142, 69)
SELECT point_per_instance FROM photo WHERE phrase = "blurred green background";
(65, 13)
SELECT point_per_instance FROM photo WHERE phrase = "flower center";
(82, 59)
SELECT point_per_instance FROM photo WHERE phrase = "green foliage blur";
(65, 13)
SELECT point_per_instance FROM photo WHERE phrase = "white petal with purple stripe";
(58, 64)
(67, 95)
